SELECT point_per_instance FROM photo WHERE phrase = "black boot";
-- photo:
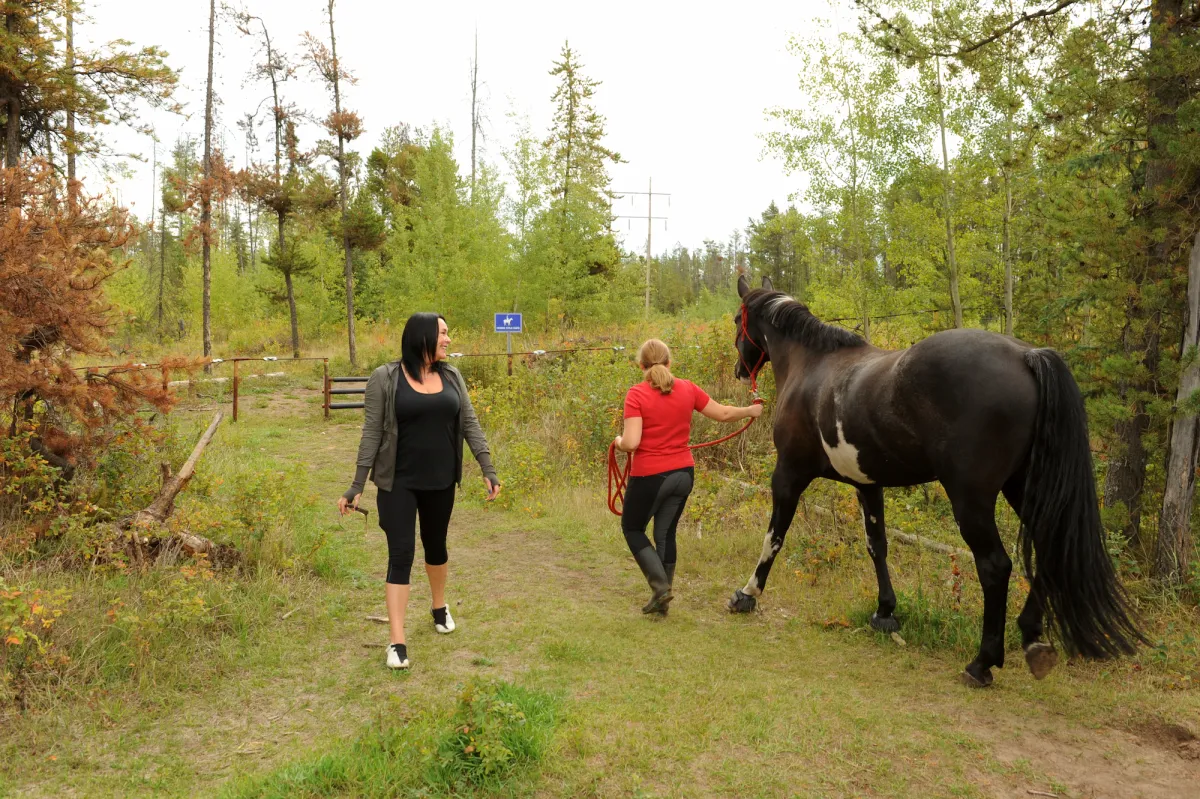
(647, 559)
(669, 568)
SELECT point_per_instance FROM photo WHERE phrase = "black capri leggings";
(661, 497)
(398, 511)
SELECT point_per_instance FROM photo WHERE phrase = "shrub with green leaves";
(498, 727)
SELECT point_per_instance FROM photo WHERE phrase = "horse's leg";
(870, 498)
(1040, 656)
(975, 512)
(786, 488)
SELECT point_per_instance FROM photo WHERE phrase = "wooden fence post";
(235, 389)
(325, 390)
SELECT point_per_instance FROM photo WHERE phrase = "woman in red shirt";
(658, 424)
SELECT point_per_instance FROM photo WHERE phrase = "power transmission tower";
(650, 194)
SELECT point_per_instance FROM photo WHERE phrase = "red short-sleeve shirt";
(666, 425)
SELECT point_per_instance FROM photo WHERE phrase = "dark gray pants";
(660, 497)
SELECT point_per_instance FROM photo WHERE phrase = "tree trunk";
(72, 189)
(162, 235)
(162, 274)
(1008, 201)
(474, 111)
(291, 295)
(162, 506)
(12, 127)
(1173, 549)
(1141, 336)
(1126, 476)
(1006, 249)
(951, 261)
(342, 192)
(206, 190)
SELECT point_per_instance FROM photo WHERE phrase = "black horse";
(983, 414)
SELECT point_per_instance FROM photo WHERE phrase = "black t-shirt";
(425, 448)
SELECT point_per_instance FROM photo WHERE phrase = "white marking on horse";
(844, 457)
(775, 305)
(769, 551)
(769, 548)
(865, 517)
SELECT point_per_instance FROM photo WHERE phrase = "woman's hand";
(345, 507)
(617, 444)
(754, 411)
(493, 489)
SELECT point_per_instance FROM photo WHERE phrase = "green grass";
(788, 701)
(496, 735)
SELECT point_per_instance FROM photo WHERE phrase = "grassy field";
(283, 692)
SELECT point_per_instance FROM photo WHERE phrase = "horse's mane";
(795, 321)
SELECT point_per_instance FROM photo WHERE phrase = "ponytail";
(655, 358)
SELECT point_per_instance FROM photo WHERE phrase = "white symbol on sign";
(507, 321)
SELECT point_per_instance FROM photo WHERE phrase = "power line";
(650, 217)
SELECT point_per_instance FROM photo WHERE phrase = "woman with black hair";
(417, 416)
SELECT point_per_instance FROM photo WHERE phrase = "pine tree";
(344, 126)
(55, 97)
(578, 220)
(57, 258)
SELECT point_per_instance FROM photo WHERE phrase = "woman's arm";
(729, 413)
(476, 440)
(631, 436)
(372, 432)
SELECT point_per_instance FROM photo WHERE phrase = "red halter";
(753, 372)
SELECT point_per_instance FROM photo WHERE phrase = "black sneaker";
(397, 656)
(442, 621)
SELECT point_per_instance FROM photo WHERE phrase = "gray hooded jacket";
(377, 450)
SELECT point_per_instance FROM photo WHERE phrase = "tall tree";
(53, 308)
(44, 85)
(852, 132)
(273, 189)
(206, 187)
(1173, 548)
(345, 126)
(72, 188)
(947, 202)
(476, 126)
(579, 217)
(1160, 221)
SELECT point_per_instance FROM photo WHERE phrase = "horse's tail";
(1060, 522)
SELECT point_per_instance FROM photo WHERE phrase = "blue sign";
(508, 323)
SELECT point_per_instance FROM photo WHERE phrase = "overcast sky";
(684, 86)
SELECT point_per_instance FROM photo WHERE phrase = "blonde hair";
(655, 358)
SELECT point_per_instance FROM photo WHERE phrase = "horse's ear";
(743, 285)
(767, 284)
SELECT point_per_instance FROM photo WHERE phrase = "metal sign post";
(508, 323)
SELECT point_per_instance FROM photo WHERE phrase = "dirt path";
(701, 704)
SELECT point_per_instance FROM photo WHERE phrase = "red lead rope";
(618, 475)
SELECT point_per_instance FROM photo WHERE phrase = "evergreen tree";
(579, 246)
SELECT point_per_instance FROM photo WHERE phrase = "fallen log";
(164, 504)
(157, 512)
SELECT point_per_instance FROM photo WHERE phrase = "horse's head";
(750, 343)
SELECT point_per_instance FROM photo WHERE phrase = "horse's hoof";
(975, 677)
(884, 624)
(742, 603)
(1041, 658)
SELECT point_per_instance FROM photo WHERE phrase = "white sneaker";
(443, 622)
(397, 656)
